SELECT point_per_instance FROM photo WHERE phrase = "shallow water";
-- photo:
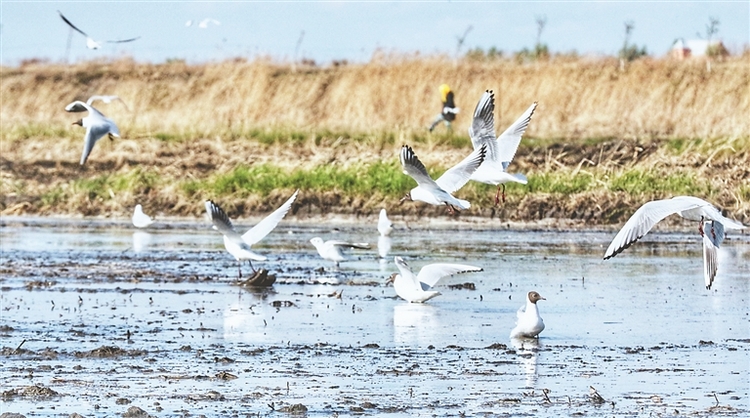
(114, 318)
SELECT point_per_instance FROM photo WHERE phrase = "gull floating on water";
(711, 225)
(239, 245)
(500, 150)
(440, 191)
(96, 124)
(90, 42)
(140, 219)
(385, 226)
(529, 324)
(331, 250)
(418, 289)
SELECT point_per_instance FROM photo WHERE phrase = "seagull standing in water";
(90, 42)
(418, 288)
(97, 125)
(385, 226)
(331, 249)
(239, 245)
(529, 323)
(711, 225)
(440, 191)
(140, 219)
(500, 150)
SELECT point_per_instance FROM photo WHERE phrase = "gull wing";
(407, 274)
(78, 106)
(219, 219)
(106, 99)
(482, 129)
(93, 133)
(508, 141)
(264, 227)
(123, 40)
(360, 245)
(521, 311)
(643, 220)
(458, 175)
(414, 168)
(431, 274)
(72, 25)
(713, 235)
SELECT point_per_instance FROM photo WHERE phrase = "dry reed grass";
(577, 99)
(601, 143)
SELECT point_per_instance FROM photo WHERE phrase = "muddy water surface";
(101, 319)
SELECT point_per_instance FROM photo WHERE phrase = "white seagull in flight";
(97, 125)
(239, 245)
(500, 150)
(440, 191)
(90, 42)
(711, 225)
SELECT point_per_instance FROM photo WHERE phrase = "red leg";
(497, 196)
(503, 192)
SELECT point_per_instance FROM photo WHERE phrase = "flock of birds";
(487, 163)
(91, 43)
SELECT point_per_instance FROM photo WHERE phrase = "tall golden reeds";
(580, 98)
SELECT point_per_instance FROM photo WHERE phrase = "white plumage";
(711, 225)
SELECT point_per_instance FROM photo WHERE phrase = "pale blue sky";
(352, 30)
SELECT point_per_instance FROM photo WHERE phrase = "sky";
(352, 31)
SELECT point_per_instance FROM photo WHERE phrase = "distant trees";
(630, 52)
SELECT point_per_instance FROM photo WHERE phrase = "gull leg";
(700, 227)
(503, 192)
(239, 269)
(251, 266)
(451, 210)
(497, 196)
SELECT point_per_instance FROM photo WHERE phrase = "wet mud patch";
(169, 331)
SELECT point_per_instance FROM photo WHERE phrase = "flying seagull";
(440, 191)
(90, 42)
(711, 225)
(239, 245)
(97, 125)
(500, 150)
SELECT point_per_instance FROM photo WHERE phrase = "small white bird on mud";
(418, 288)
(140, 219)
(96, 124)
(529, 324)
(332, 250)
(239, 245)
(500, 150)
(385, 226)
(711, 225)
(90, 42)
(440, 191)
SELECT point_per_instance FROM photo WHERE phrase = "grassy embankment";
(601, 142)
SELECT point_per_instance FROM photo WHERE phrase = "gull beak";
(405, 198)
(79, 122)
